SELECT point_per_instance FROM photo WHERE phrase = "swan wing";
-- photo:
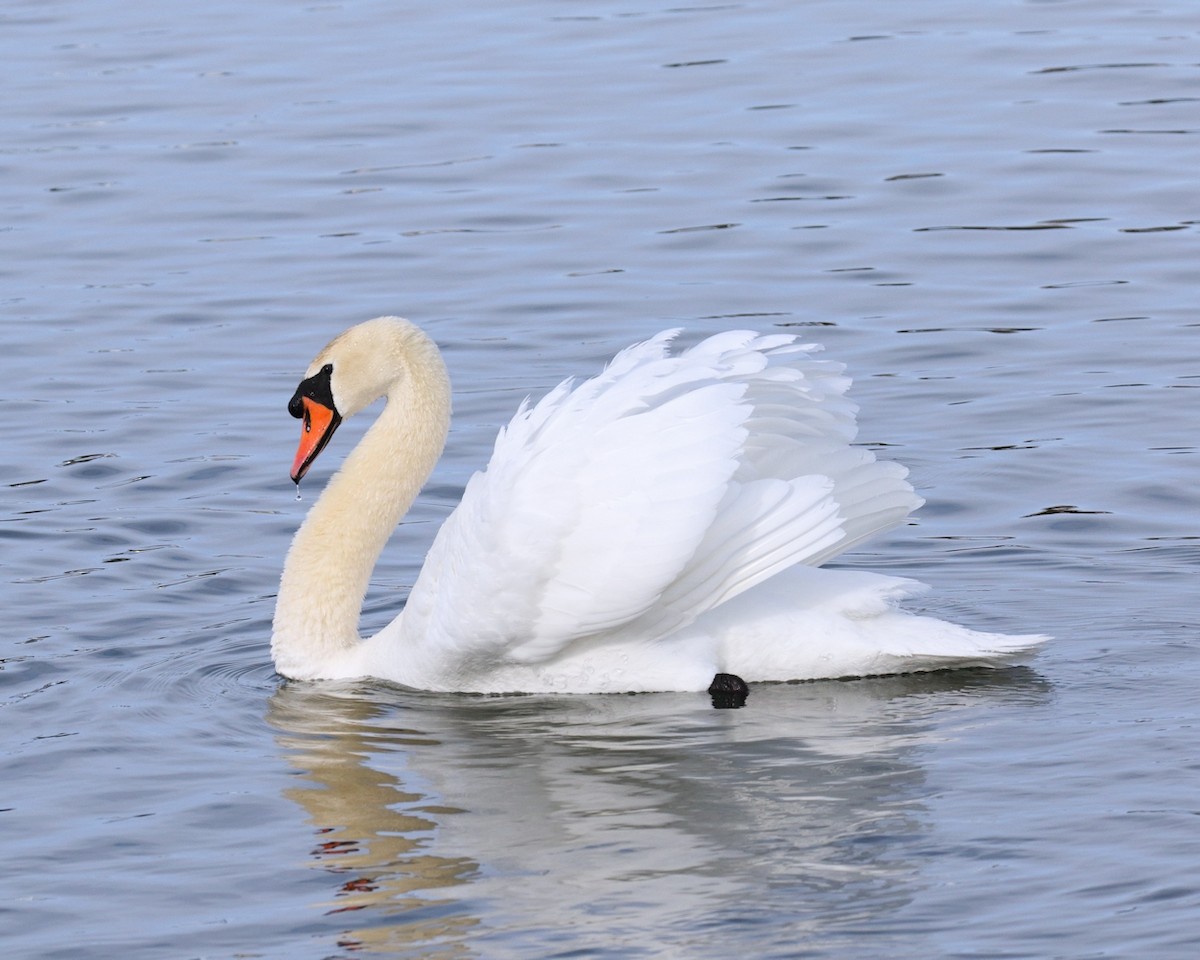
(628, 504)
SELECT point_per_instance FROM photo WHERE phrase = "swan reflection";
(480, 825)
(371, 829)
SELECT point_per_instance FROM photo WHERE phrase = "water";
(987, 210)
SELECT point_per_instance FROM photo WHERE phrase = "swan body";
(642, 530)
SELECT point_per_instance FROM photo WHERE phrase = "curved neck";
(329, 564)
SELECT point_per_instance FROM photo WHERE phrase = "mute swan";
(643, 530)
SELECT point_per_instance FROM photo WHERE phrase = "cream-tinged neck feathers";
(329, 564)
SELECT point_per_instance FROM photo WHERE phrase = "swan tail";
(824, 624)
(963, 648)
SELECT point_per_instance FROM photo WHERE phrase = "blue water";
(987, 210)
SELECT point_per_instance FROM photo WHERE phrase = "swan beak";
(320, 422)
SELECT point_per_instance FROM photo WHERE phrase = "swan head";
(355, 369)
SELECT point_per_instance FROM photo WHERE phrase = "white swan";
(643, 530)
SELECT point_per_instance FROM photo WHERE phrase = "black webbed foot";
(728, 691)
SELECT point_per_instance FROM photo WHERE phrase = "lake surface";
(988, 210)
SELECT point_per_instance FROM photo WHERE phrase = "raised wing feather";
(626, 505)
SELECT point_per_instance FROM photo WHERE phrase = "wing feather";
(628, 504)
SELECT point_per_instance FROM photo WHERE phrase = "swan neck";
(329, 565)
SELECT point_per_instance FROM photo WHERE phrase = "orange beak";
(319, 423)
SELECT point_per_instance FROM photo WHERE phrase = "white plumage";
(640, 530)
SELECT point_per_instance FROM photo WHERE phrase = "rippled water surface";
(988, 210)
